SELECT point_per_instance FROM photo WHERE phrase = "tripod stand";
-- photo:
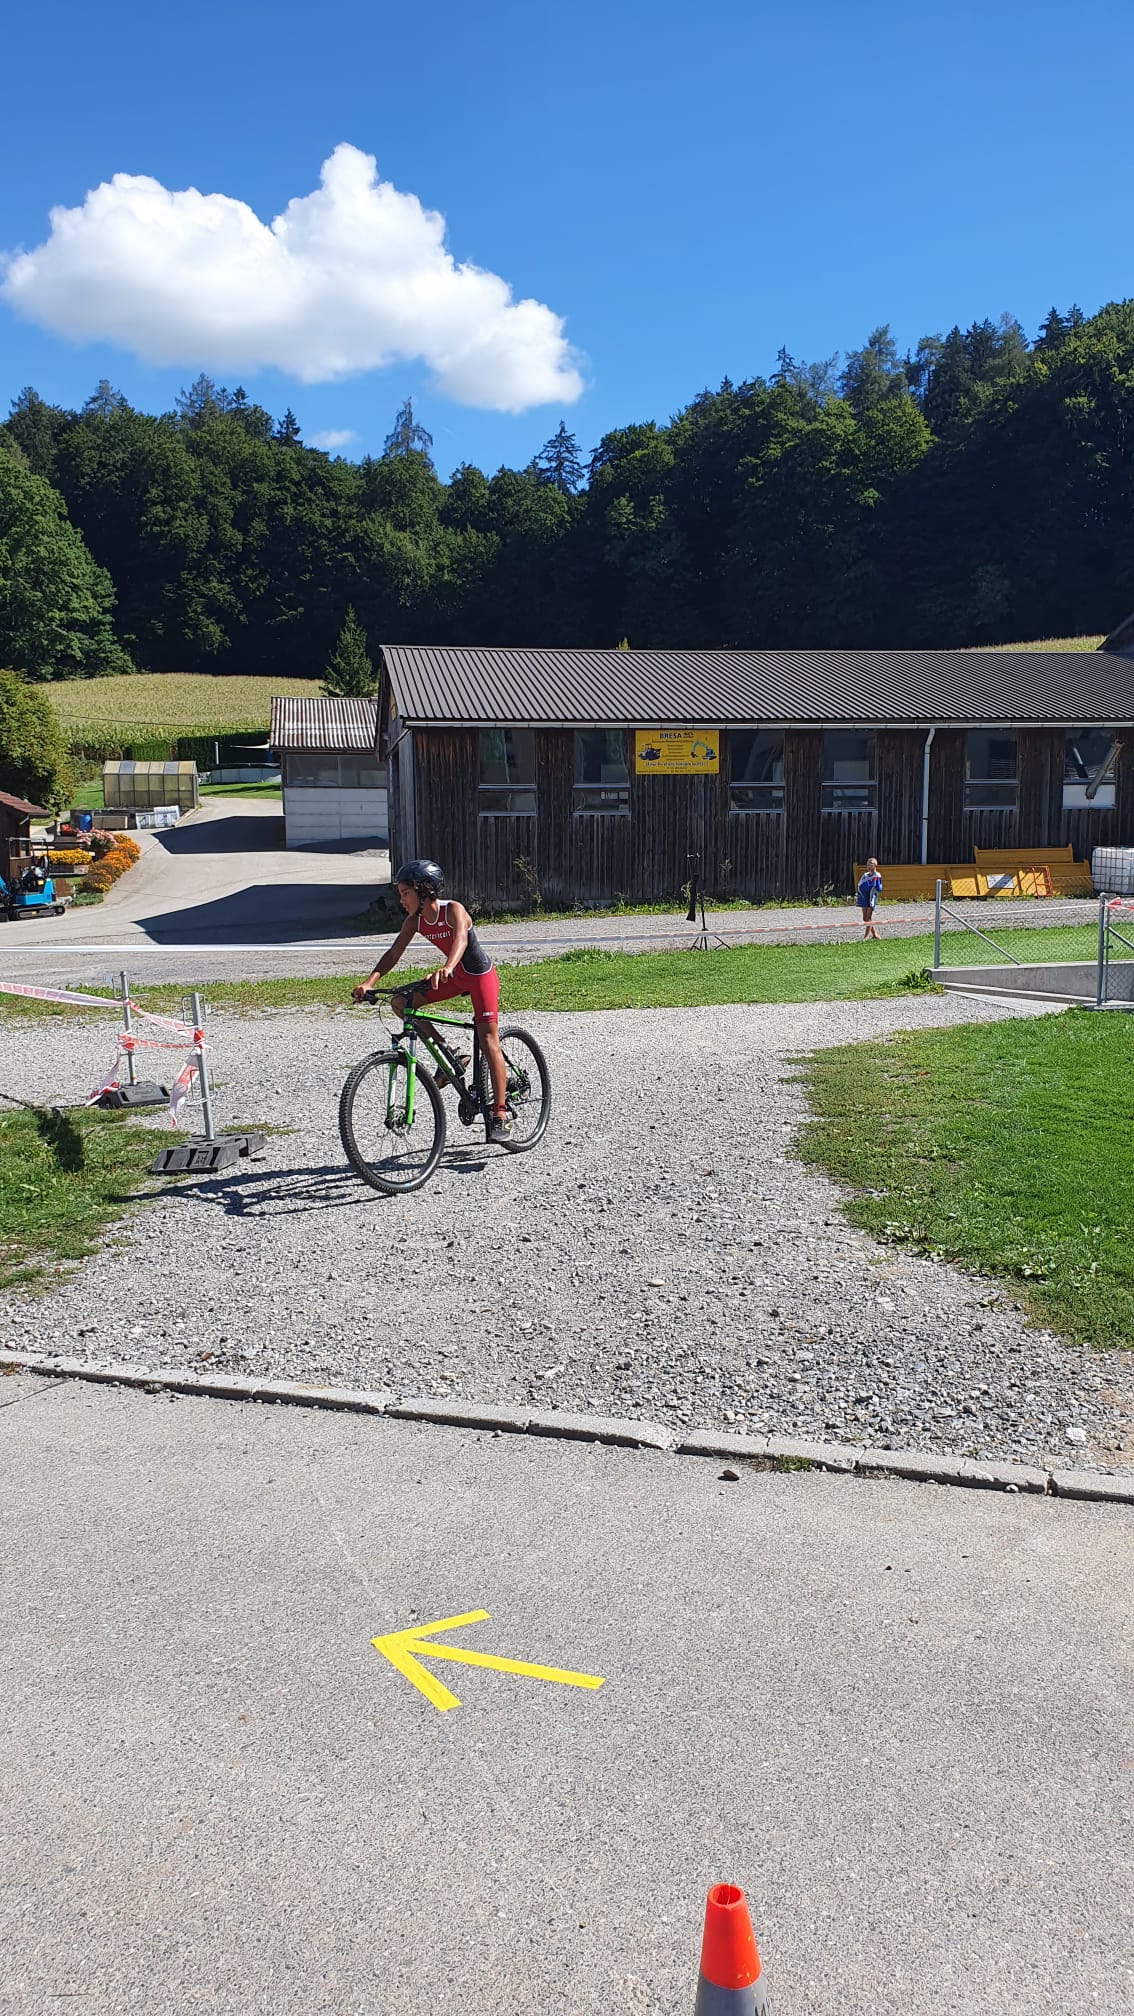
(705, 940)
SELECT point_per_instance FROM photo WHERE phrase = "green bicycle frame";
(413, 1035)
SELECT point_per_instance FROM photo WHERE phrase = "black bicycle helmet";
(424, 876)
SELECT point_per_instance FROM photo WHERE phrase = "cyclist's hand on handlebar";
(362, 993)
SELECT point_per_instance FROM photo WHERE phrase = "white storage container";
(1112, 870)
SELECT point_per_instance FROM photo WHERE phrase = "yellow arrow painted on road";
(404, 1649)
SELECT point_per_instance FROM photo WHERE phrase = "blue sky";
(681, 189)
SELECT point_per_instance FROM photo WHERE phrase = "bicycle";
(392, 1117)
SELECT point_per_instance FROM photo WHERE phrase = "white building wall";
(316, 814)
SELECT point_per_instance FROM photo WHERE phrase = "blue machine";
(31, 894)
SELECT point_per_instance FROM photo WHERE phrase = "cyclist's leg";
(425, 996)
(485, 991)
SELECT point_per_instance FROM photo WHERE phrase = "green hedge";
(198, 749)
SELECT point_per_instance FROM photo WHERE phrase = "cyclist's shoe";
(443, 1077)
(500, 1129)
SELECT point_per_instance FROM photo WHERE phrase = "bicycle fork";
(409, 1052)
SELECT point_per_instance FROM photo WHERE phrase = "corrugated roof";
(458, 684)
(323, 723)
(21, 807)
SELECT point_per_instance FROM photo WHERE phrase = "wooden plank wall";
(645, 856)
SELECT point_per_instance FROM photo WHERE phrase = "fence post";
(937, 928)
(202, 1066)
(1101, 976)
(128, 1025)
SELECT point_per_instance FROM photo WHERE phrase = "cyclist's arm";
(391, 957)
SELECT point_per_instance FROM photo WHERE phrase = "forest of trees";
(978, 489)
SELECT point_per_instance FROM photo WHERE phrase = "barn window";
(1088, 775)
(990, 770)
(757, 783)
(602, 776)
(329, 768)
(507, 773)
(848, 771)
(313, 770)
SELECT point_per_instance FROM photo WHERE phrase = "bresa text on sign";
(677, 752)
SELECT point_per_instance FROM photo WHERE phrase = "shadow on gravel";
(276, 1193)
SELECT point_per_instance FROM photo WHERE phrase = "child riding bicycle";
(465, 969)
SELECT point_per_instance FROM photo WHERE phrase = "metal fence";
(1002, 931)
(1090, 940)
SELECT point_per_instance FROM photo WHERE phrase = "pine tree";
(1053, 331)
(407, 437)
(204, 401)
(559, 462)
(872, 373)
(349, 672)
(287, 433)
(951, 382)
(105, 401)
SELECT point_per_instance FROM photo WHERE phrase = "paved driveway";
(223, 875)
(899, 1715)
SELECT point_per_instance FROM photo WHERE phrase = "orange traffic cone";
(731, 1983)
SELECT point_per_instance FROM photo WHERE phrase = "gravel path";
(662, 1254)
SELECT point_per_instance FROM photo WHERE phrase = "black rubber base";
(204, 1157)
(144, 1094)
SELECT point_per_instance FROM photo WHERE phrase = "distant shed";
(16, 815)
(334, 780)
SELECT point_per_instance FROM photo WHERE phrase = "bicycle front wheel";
(528, 1088)
(392, 1143)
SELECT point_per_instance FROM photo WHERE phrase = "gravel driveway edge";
(766, 1452)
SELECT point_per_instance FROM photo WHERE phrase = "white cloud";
(348, 279)
(334, 437)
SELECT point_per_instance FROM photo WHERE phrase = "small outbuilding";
(334, 777)
(16, 816)
(584, 776)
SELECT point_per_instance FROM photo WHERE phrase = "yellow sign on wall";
(677, 752)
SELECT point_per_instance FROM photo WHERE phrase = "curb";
(764, 1452)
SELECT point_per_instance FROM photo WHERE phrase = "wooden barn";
(591, 775)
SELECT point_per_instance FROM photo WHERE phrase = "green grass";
(63, 1178)
(88, 797)
(1004, 1147)
(590, 979)
(266, 790)
(168, 703)
(1050, 644)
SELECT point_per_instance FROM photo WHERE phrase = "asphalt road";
(900, 1716)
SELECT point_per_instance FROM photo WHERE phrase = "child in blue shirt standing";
(867, 894)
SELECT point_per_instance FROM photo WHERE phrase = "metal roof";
(323, 723)
(464, 685)
(21, 807)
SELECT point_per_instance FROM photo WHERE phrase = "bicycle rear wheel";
(528, 1088)
(388, 1149)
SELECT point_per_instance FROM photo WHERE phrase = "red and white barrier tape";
(55, 994)
(127, 1041)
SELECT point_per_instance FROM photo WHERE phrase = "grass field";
(1003, 1146)
(63, 1177)
(1049, 644)
(169, 703)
